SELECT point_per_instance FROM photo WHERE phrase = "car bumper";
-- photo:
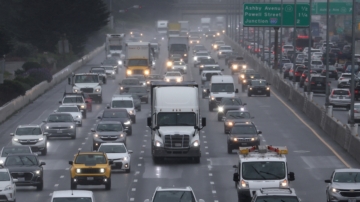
(94, 96)
(162, 152)
(214, 103)
(60, 133)
(344, 103)
(98, 142)
(259, 92)
(7, 195)
(90, 180)
(121, 165)
(36, 180)
(237, 144)
(40, 146)
(337, 197)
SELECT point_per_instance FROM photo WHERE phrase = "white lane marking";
(135, 180)
(133, 189)
(140, 157)
(137, 172)
(142, 152)
(56, 185)
(139, 164)
(205, 141)
(264, 140)
(207, 153)
(62, 176)
(89, 133)
(86, 138)
(144, 146)
(208, 159)
(211, 182)
(146, 130)
(132, 199)
(145, 135)
(216, 201)
(94, 124)
(145, 140)
(301, 151)
(50, 194)
(202, 131)
(204, 136)
(79, 149)
(67, 168)
(83, 143)
(210, 174)
(213, 191)
(206, 147)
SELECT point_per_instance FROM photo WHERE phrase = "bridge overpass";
(209, 7)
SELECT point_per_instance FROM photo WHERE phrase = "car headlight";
(96, 135)
(195, 58)
(76, 90)
(82, 106)
(220, 52)
(16, 140)
(167, 80)
(178, 80)
(218, 34)
(235, 66)
(128, 72)
(208, 57)
(120, 62)
(148, 82)
(267, 88)
(121, 135)
(131, 112)
(197, 42)
(212, 98)
(127, 122)
(244, 81)
(250, 88)
(112, 72)
(1, 162)
(78, 170)
(244, 184)
(96, 90)
(204, 90)
(9, 187)
(158, 144)
(284, 183)
(41, 139)
(37, 172)
(185, 54)
(230, 123)
(169, 63)
(196, 143)
(47, 127)
(244, 66)
(147, 72)
(71, 127)
(220, 109)
(254, 139)
(334, 190)
(234, 139)
(191, 42)
(242, 76)
(121, 88)
(201, 66)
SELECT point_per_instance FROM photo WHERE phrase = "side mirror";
(259, 132)
(70, 162)
(236, 177)
(99, 117)
(92, 130)
(69, 80)
(46, 133)
(108, 107)
(149, 122)
(291, 176)
(222, 70)
(244, 104)
(42, 163)
(60, 102)
(15, 180)
(327, 181)
(237, 91)
(111, 162)
(130, 151)
(203, 121)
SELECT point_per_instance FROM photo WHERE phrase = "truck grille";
(137, 71)
(108, 137)
(87, 90)
(218, 99)
(63, 127)
(177, 141)
(348, 193)
(90, 170)
(27, 176)
(28, 142)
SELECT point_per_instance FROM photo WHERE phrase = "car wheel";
(197, 159)
(129, 133)
(229, 150)
(249, 95)
(156, 160)
(108, 184)
(134, 121)
(40, 186)
(128, 170)
(268, 95)
(73, 185)
(100, 100)
(44, 152)
(73, 136)
(219, 118)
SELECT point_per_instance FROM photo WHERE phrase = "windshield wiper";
(30, 160)
(258, 172)
(181, 196)
(270, 174)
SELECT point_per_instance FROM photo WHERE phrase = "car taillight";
(312, 82)
(297, 73)
(303, 75)
(356, 91)
(356, 111)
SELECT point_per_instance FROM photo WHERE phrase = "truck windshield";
(115, 47)
(176, 119)
(138, 62)
(178, 47)
(86, 79)
(72, 199)
(277, 199)
(222, 87)
(263, 170)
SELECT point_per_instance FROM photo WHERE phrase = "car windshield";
(341, 92)
(202, 54)
(176, 119)
(28, 131)
(154, 77)
(258, 83)
(86, 79)
(243, 129)
(72, 199)
(23, 160)
(316, 62)
(68, 109)
(109, 68)
(263, 170)
(139, 77)
(109, 127)
(207, 61)
(138, 62)
(222, 87)
(122, 104)
(137, 90)
(318, 79)
(112, 148)
(225, 48)
(277, 199)
(176, 196)
(110, 62)
(179, 63)
(73, 100)
(301, 56)
(90, 159)
(60, 118)
(215, 67)
(99, 71)
(15, 150)
(347, 177)
(4, 176)
(253, 76)
(230, 101)
(173, 74)
(130, 82)
(238, 115)
(110, 114)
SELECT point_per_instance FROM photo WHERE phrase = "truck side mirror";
(207, 90)
(237, 91)
(69, 80)
(149, 122)
(203, 121)
(291, 176)
(236, 177)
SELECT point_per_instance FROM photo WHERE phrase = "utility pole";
(352, 85)
(294, 32)
(309, 49)
(327, 56)
(281, 37)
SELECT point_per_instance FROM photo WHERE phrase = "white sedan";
(173, 77)
(7, 185)
(118, 153)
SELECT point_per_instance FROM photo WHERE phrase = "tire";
(197, 160)
(73, 136)
(140, 109)
(229, 150)
(128, 170)
(268, 95)
(108, 184)
(100, 100)
(40, 186)
(73, 186)
(219, 118)
(130, 133)
(249, 95)
(44, 152)
(156, 160)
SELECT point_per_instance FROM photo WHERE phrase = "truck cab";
(138, 58)
(114, 44)
(87, 83)
(262, 166)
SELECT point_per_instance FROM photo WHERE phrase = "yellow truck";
(138, 58)
(174, 29)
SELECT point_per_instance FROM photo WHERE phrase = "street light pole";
(327, 55)
(281, 37)
(352, 87)
(294, 32)
(310, 46)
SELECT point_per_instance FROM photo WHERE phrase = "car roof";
(23, 154)
(222, 79)
(115, 110)
(174, 189)
(113, 143)
(347, 170)
(72, 193)
(113, 122)
(68, 105)
(172, 72)
(29, 126)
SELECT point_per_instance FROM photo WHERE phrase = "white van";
(220, 86)
(73, 195)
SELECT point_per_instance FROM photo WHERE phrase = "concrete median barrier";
(16, 104)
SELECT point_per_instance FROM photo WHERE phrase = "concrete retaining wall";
(21, 101)
(338, 131)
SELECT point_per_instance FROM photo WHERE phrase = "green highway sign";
(269, 15)
(336, 8)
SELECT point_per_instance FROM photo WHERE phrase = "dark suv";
(316, 82)
(243, 134)
(298, 72)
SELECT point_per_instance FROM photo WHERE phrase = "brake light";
(297, 73)
(356, 91)
(312, 82)
(303, 75)
(249, 47)
(356, 111)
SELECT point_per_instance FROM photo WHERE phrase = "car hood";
(172, 130)
(86, 85)
(108, 132)
(28, 137)
(73, 114)
(122, 120)
(238, 120)
(139, 94)
(3, 184)
(230, 107)
(22, 168)
(116, 155)
(59, 124)
(172, 77)
(338, 185)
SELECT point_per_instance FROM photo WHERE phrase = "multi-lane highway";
(281, 124)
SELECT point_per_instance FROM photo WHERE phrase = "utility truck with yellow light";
(175, 120)
(262, 166)
(138, 58)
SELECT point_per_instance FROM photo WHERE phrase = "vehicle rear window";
(340, 92)
(318, 79)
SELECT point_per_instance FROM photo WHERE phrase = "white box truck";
(114, 45)
(162, 28)
(175, 120)
(184, 28)
(205, 24)
(220, 23)
(137, 58)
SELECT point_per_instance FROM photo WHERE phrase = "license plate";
(243, 143)
(90, 178)
(352, 200)
(259, 91)
(21, 179)
(59, 131)
(341, 97)
(177, 144)
(319, 85)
